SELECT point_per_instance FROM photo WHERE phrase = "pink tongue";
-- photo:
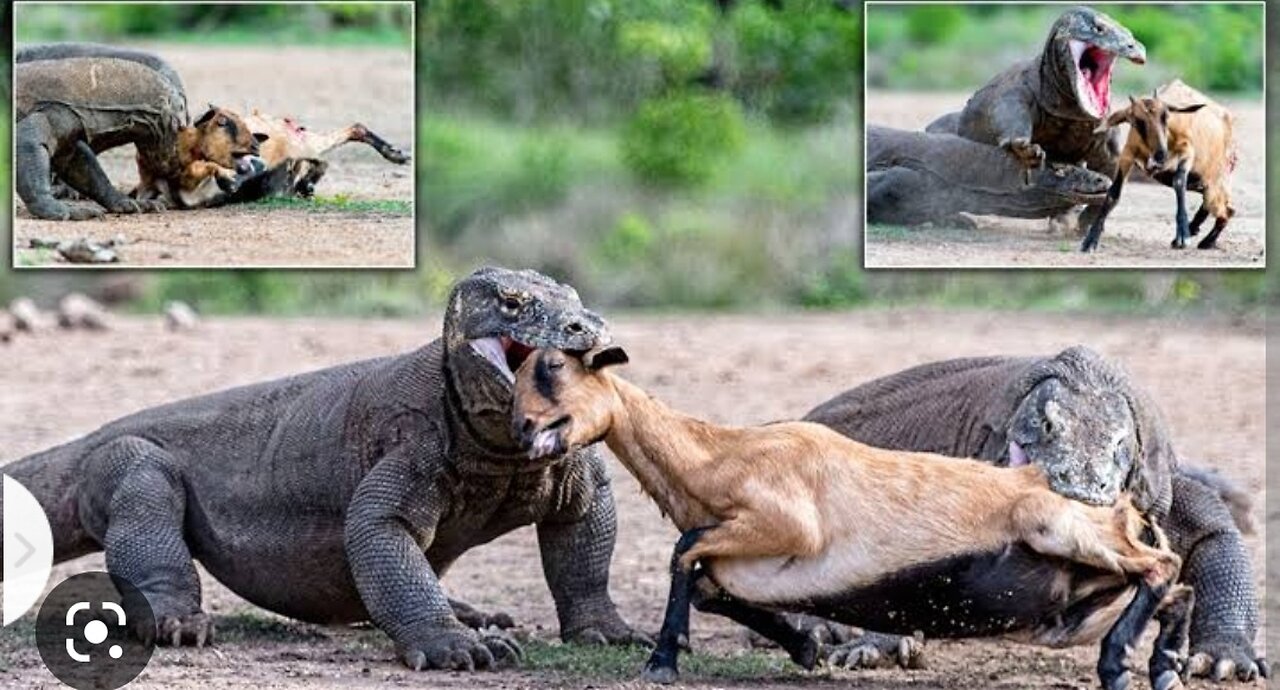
(1017, 458)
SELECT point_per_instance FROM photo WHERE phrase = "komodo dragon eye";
(510, 303)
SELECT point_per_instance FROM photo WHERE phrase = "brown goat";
(1188, 146)
(796, 517)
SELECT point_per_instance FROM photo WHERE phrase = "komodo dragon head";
(1074, 182)
(1077, 416)
(1079, 54)
(495, 319)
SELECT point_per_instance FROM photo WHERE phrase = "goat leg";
(1180, 192)
(1099, 222)
(804, 647)
(1123, 636)
(1201, 216)
(662, 666)
(1169, 654)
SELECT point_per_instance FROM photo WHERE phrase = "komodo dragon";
(1095, 433)
(73, 101)
(344, 494)
(1048, 108)
(916, 177)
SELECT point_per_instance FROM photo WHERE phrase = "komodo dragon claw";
(1223, 661)
(463, 650)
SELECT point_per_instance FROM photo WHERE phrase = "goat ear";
(261, 136)
(1187, 108)
(1114, 120)
(207, 116)
(605, 356)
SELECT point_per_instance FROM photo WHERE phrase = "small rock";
(118, 241)
(179, 316)
(166, 255)
(42, 243)
(82, 251)
(28, 317)
(77, 311)
(8, 326)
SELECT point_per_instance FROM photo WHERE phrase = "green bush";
(933, 23)
(681, 52)
(682, 138)
(799, 63)
(628, 242)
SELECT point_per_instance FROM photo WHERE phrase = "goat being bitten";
(1187, 146)
(794, 517)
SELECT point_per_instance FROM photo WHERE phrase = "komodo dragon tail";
(1235, 496)
(51, 476)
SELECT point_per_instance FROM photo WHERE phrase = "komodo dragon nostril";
(574, 327)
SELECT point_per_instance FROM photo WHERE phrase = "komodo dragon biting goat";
(1047, 109)
(1095, 433)
(917, 177)
(344, 494)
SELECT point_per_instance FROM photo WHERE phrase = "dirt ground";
(325, 89)
(729, 369)
(1138, 231)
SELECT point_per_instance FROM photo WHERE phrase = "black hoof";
(661, 675)
(1118, 682)
(1178, 244)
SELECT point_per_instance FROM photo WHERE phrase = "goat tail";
(1232, 494)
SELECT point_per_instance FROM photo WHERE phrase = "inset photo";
(1057, 135)
(202, 135)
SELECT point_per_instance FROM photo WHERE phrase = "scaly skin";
(1095, 433)
(1032, 109)
(74, 101)
(344, 494)
(917, 177)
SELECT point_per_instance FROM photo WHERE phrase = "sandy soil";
(729, 369)
(1138, 231)
(325, 88)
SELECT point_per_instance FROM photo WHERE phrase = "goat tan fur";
(830, 513)
(1177, 129)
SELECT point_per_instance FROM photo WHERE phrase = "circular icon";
(86, 631)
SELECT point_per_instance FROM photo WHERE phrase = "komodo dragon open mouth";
(1093, 77)
(506, 354)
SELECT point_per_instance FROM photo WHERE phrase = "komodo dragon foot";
(193, 630)
(479, 620)
(1226, 659)
(877, 650)
(457, 648)
(1029, 155)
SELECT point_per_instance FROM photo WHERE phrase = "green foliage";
(598, 60)
(680, 52)
(1212, 46)
(682, 138)
(480, 170)
(628, 242)
(933, 23)
(605, 662)
(839, 283)
(798, 64)
(306, 23)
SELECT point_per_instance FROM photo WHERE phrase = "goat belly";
(973, 595)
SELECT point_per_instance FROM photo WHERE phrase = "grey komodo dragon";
(1049, 108)
(918, 177)
(344, 494)
(1095, 433)
(73, 101)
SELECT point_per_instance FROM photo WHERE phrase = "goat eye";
(1141, 127)
(557, 364)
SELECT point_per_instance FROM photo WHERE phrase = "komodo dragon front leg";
(77, 166)
(1011, 120)
(1216, 565)
(391, 522)
(575, 558)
